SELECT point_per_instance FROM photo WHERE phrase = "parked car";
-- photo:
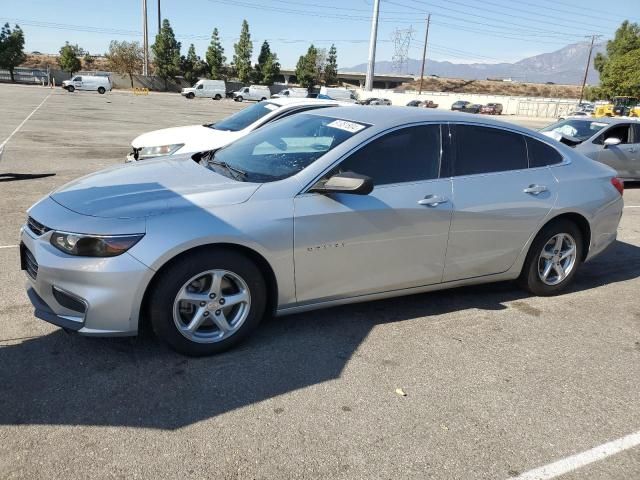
(336, 93)
(95, 83)
(491, 109)
(215, 89)
(374, 101)
(253, 92)
(574, 114)
(467, 107)
(292, 92)
(201, 138)
(612, 141)
(202, 251)
(423, 104)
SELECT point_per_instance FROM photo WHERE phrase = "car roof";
(608, 120)
(390, 116)
(297, 101)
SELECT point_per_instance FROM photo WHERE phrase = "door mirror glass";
(345, 182)
(612, 141)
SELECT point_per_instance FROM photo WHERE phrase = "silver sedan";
(318, 209)
(612, 141)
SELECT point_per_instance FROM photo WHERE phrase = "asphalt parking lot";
(497, 382)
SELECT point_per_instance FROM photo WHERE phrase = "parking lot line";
(579, 460)
(8, 246)
(17, 129)
(632, 206)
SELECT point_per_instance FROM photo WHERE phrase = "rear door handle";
(535, 189)
(432, 200)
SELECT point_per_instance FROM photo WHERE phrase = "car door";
(77, 82)
(634, 163)
(498, 202)
(347, 245)
(619, 157)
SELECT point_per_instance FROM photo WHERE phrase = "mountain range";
(563, 66)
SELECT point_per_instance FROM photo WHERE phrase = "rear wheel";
(553, 259)
(190, 95)
(217, 97)
(207, 302)
(71, 88)
(263, 99)
(101, 90)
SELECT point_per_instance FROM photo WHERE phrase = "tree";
(88, 61)
(68, 59)
(306, 71)
(268, 67)
(620, 67)
(242, 54)
(215, 57)
(125, 58)
(192, 66)
(11, 48)
(166, 52)
(331, 67)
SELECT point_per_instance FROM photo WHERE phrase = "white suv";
(202, 138)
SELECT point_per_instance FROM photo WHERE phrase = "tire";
(217, 97)
(263, 99)
(544, 251)
(71, 89)
(240, 278)
(190, 95)
(238, 98)
(101, 90)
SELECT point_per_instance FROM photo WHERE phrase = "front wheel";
(263, 99)
(217, 97)
(553, 258)
(238, 98)
(190, 95)
(71, 89)
(101, 90)
(207, 302)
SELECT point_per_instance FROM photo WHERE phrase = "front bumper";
(109, 289)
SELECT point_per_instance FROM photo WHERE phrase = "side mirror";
(611, 142)
(345, 182)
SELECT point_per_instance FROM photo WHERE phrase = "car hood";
(196, 138)
(151, 187)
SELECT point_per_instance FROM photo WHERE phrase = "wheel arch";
(581, 222)
(261, 262)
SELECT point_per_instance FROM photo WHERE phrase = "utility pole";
(424, 52)
(368, 84)
(145, 40)
(159, 18)
(586, 70)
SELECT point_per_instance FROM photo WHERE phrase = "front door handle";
(535, 189)
(432, 200)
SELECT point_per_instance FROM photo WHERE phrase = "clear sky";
(461, 30)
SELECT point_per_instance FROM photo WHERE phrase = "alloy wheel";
(557, 259)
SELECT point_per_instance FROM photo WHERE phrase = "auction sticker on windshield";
(351, 127)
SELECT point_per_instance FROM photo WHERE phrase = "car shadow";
(12, 177)
(72, 380)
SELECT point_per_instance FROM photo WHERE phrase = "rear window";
(541, 154)
(487, 150)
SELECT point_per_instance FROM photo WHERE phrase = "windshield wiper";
(236, 173)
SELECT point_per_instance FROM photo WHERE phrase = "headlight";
(151, 152)
(94, 245)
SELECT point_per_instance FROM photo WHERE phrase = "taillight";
(619, 184)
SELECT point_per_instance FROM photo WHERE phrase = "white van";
(94, 83)
(336, 93)
(254, 92)
(215, 89)
(293, 92)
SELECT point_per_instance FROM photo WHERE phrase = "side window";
(623, 132)
(636, 133)
(486, 150)
(200, 87)
(541, 154)
(406, 155)
(77, 79)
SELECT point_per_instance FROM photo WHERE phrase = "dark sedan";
(466, 107)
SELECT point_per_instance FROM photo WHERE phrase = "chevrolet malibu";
(322, 208)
